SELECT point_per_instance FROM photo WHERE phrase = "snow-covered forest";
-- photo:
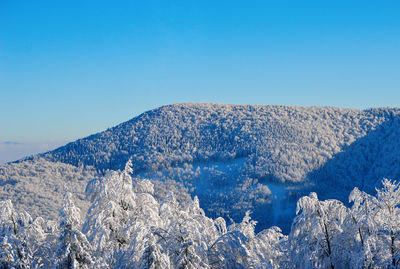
(128, 226)
(234, 158)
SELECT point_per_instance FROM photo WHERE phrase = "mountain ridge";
(121, 129)
(245, 157)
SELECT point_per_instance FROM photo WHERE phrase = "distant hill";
(247, 157)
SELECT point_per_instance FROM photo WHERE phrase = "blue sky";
(72, 68)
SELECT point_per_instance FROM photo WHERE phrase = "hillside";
(37, 186)
(240, 157)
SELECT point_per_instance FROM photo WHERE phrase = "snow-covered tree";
(6, 253)
(24, 242)
(268, 248)
(229, 251)
(316, 233)
(359, 229)
(142, 227)
(19, 238)
(188, 233)
(246, 227)
(107, 220)
(130, 228)
(74, 250)
(220, 225)
(386, 244)
(154, 255)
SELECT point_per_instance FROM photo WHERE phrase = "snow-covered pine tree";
(74, 250)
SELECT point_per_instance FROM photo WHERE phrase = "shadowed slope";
(362, 164)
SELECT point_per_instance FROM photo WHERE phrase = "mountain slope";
(240, 157)
(37, 186)
(283, 142)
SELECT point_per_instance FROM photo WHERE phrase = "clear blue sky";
(72, 68)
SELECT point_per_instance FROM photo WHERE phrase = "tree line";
(127, 227)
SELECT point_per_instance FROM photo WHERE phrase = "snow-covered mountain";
(235, 157)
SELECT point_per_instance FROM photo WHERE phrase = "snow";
(278, 198)
(128, 227)
(230, 156)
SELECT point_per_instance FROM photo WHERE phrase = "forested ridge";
(127, 226)
(283, 143)
(234, 158)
